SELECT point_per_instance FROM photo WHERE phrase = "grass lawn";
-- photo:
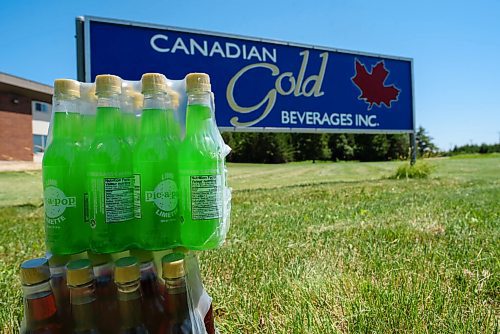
(326, 248)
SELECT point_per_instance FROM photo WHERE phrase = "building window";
(41, 106)
(39, 143)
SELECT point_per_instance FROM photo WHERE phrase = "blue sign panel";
(263, 85)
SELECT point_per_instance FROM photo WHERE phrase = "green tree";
(310, 146)
(399, 145)
(259, 147)
(371, 147)
(425, 146)
(342, 146)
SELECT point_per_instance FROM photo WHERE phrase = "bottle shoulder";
(153, 148)
(111, 149)
(60, 152)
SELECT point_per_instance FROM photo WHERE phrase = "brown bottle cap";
(173, 265)
(198, 82)
(142, 255)
(79, 272)
(108, 84)
(153, 83)
(35, 271)
(66, 87)
(127, 270)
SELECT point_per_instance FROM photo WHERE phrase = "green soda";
(88, 101)
(129, 120)
(109, 173)
(155, 169)
(174, 129)
(200, 174)
(65, 229)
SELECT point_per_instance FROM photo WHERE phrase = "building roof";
(12, 80)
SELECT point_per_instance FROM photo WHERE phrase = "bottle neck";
(149, 280)
(130, 303)
(57, 271)
(103, 270)
(65, 104)
(108, 101)
(199, 113)
(157, 101)
(108, 117)
(65, 119)
(175, 299)
(83, 300)
(39, 304)
(200, 98)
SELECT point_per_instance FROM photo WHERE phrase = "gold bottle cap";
(127, 270)
(99, 259)
(35, 271)
(198, 82)
(108, 84)
(173, 265)
(153, 83)
(58, 260)
(66, 87)
(142, 255)
(79, 272)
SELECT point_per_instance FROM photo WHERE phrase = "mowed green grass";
(327, 248)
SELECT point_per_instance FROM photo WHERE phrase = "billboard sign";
(260, 85)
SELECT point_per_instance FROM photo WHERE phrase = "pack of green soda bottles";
(135, 164)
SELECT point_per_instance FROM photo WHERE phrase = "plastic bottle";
(155, 169)
(57, 264)
(127, 279)
(65, 229)
(174, 129)
(128, 114)
(152, 306)
(40, 311)
(80, 278)
(200, 177)
(177, 317)
(107, 304)
(109, 173)
(88, 103)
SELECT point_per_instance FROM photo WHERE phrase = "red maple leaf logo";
(372, 85)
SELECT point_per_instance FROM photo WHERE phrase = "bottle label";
(206, 197)
(137, 196)
(118, 199)
(56, 202)
(164, 196)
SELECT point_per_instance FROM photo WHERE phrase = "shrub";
(420, 170)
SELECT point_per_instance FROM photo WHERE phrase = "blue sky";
(455, 45)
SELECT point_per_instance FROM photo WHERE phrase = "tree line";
(474, 149)
(287, 147)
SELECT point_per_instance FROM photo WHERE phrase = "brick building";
(25, 111)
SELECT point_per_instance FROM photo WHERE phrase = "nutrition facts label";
(118, 199)
(206, 197)
(137, 196)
